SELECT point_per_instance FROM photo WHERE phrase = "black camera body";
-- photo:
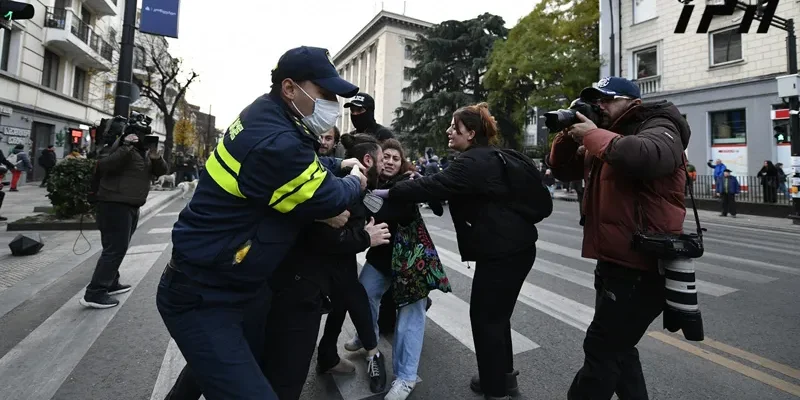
(669, 246)
(137, 124)
(559, 120)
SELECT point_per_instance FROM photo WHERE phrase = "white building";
(723, 81)
(377, 59)
(52, 74)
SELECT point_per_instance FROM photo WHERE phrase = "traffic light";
(781, 136)
(15, 11)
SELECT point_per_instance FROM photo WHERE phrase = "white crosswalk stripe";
(39, 364)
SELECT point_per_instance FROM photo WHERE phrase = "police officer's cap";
(312, 64)
(362, 100)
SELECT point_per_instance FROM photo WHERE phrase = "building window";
(50, 69)
(406, 96)
(5, 50)
(645, 63)
(726, 46)
(409, 52)
(79, 84)
(407, 74)
(728, 127)
(644, 10)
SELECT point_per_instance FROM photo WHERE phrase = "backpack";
(532, 199)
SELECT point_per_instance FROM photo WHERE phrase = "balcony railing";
(57, 18)
(651, 84)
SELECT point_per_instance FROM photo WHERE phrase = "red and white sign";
(780, 114)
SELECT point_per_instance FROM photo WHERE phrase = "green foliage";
(549, 56)
(451, 61)
(68, 187)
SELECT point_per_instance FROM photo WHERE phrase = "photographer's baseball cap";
(362, 100)
(312, 64)
(611, 86)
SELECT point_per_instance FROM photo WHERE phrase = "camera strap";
(641, 221)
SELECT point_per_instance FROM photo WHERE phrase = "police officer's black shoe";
(376, 369)
(512, 387)
(98, 299)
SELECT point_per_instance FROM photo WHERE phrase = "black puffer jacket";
(488, 220)
(394, 213)
(322, 253)
(125, 173)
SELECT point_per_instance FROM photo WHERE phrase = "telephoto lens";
(681, 311)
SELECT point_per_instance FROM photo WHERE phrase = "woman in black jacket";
(492, 229)
(769, 182)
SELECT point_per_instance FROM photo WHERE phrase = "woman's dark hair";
(357, 146)
(477, 118)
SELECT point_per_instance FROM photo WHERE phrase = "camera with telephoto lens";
(676, 254)
(559, 120)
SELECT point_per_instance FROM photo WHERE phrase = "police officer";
(362, 115)
(262, 185)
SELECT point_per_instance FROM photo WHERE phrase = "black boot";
(512, 388)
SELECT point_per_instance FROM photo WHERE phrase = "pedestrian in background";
(22, 163)
(727, 189)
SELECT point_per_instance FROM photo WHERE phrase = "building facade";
(378, 59)
(723, 81)
(53, 75)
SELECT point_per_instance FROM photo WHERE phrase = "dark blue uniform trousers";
(218, 332)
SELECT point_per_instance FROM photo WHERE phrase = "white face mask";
(324, 117)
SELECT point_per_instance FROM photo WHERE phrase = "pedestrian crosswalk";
(555, 307)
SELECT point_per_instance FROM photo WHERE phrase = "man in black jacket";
(124, 169)
(362, 114)
(10, 167)
(323, 264)
(47, 160)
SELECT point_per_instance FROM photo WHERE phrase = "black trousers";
(291, 335)
(117, 223)
(495, 288)
(46, 176)
(348, 295)
(728, 203)
(627, 303)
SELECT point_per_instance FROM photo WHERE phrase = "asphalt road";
(52, 348)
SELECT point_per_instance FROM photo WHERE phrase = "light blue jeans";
(409, 331)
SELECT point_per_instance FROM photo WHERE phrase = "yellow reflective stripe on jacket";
(299, 189)
(215, 165)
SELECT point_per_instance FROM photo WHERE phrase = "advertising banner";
(734, 157)
(160, 17)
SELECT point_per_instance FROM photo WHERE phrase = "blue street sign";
(160, 17)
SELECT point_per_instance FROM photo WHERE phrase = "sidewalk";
(59, 252)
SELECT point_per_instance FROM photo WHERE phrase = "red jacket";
(637, 164)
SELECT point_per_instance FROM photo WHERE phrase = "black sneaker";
(376, 369)
(119, 289)
(98, 300)
(3, 219)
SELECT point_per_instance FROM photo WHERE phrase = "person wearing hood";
(635, 172)
(362, 114)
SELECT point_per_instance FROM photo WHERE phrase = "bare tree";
(165, 84)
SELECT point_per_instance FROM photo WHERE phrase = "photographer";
(635, 178)
(124, 169)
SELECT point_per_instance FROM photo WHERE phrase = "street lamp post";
(122, 100)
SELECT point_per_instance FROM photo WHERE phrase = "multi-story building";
(378, 60)
(53, 83)
(723, 81)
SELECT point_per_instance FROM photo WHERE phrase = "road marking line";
(733, 273)
(148, 248)
(39, 364)
(159, 230)
(711, 289)
(171, 367)
(753, 358)
(169, 214)
(728, 363)
(452, 314)
(562, 308)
